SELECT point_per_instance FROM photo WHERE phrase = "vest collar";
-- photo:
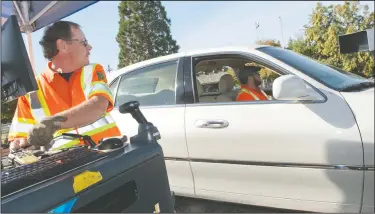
(51, 73)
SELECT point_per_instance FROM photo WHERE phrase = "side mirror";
(291, 87)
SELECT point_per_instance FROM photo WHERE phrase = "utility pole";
(256, 29)
(282, 33)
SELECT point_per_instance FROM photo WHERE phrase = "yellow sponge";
(26, 159)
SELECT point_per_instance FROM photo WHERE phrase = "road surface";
(190, 205)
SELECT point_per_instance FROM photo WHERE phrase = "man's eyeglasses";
(83, 41)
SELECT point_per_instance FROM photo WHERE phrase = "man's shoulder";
(94, 72)
(93, 66)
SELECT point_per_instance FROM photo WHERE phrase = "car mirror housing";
(291, 87)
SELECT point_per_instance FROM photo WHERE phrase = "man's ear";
(61, 46)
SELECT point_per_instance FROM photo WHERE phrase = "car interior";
(215, 82)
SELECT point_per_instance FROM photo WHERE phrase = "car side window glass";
(150, 86)
(217, 80)
(113, 86)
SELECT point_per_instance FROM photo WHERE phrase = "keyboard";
(22, 176)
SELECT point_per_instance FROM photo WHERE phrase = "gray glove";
(41, 134)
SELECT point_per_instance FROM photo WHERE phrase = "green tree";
(265, 73)
(144, 32)
(326, 24)
(7, 111)
(271, 42)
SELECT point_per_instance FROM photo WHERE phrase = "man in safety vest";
(73, 95)
(250, 81)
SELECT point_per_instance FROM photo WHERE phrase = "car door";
(158, 88)
(293, 155)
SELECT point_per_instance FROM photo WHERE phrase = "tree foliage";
(326, 24)
(144, 32)
(265, 73)
(271, 42)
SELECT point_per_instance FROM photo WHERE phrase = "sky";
(195, 25)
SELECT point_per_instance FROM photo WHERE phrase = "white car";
(310, 147)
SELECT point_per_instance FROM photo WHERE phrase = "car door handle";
(211, 123)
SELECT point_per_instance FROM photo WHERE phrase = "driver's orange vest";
(253, 95)
(85, 83)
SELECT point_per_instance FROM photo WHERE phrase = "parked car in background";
(310, 147)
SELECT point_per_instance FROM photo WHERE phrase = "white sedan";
(310, 147)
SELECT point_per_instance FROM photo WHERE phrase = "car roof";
(209, 51)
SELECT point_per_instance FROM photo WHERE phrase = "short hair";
(247, 71)
(58, 30)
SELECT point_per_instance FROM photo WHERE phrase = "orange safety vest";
(85, 83)
(247, 91)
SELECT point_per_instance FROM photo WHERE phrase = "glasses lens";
(85, 42)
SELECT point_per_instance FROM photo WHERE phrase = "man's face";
(78, 50)
(258, 80)
(255, 78)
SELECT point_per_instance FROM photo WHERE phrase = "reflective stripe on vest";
(252, 94)
(40, 110)
(38, 105)
(98, 86)
(20, 127)
(86, 77)
(106, 119)
(17, 126)
(66, 142)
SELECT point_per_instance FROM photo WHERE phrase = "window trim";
(118, 79)
(189, 91)
(248, 56)
(141, 69)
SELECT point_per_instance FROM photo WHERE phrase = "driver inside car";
(250, 84)
(73, 95)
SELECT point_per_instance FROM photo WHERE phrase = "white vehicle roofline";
(141, 64)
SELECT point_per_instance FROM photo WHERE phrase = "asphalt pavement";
(191, 205)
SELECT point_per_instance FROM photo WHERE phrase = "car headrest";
(226, 83)
(200, 89)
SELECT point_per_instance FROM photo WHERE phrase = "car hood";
(362, 105)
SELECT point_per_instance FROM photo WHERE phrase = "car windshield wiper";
(359, 86)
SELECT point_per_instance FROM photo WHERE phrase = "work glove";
(41, 134)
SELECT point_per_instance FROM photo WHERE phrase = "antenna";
(282, 33)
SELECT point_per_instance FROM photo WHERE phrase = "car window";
(113, 86)
(217, 80)
(150, 86)
(328, 75)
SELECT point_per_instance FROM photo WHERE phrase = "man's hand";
(18, 143)
(42, 134)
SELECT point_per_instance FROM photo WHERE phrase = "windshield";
(328, 75)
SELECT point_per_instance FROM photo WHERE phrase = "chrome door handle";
(211, 123)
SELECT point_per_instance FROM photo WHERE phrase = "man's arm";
(99, 101)
(84, 113)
